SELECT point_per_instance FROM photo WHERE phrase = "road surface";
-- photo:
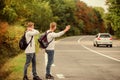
(77, 59)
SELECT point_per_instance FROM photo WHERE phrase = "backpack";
(23, 42)
(43, 41)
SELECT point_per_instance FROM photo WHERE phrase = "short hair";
(30, 24)
(53, 25)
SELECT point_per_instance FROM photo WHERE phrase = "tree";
(91, 18)
(101, 10)
(42, 15)
(114, 15)
(64, 11)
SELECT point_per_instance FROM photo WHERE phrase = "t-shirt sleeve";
(54, 35)
(33, 32)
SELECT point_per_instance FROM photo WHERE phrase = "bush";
(9, 42)
(9, 14)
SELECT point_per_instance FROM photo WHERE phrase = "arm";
(60, 33)
(57, 34)
(33, 32)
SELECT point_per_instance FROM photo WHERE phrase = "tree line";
(42, 12)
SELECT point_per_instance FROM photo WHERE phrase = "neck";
(51, 30)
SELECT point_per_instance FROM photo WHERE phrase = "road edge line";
(79, 40)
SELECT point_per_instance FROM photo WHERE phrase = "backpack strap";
(30, 41)
(50, 41)
(47, 34)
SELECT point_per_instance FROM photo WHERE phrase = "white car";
(103, 39)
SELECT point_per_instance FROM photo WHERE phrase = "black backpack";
(43, 40)
(23, 42)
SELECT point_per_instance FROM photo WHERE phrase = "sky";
(96, 3)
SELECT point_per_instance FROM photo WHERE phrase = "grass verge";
(13, 69)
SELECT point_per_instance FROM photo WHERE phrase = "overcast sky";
(98, 3)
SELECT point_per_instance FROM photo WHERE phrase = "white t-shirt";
(31, 46)
(51, 36)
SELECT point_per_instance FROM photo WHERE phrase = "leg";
(34, 68)
(34, 65)
(28, 60)
(50, 60)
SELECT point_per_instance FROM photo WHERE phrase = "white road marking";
(46, 59)
(60, 76)
(97, 52)
(53, 65)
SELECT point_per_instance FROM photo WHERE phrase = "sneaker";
(49, 76)
(37, 78)
(25, 78)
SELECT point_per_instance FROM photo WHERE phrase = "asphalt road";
(77, 59)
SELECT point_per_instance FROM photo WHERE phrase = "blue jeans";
(50, 54)
(30, 57)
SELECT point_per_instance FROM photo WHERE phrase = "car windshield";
(104, 36)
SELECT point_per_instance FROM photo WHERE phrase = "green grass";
(15, 67)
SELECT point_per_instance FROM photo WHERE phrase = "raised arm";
(60, 33)
(33, 32)
(57, 34)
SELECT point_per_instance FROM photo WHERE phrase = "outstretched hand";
(67, 28)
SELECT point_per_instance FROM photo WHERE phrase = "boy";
(50, 48)
(30, 51)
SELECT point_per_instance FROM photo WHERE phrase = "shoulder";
(50, 33)
(27, 33)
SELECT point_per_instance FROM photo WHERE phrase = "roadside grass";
(14, 67)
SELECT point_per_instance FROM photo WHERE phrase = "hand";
(67, 28)
(29, 29)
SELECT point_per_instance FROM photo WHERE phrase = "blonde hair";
(52, 25)
(30, 24)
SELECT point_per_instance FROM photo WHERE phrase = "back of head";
(29, 24)
(53, 25)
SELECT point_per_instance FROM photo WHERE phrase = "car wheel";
(94, 45)
(107, 45)
(97, 45)
(111, 45)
